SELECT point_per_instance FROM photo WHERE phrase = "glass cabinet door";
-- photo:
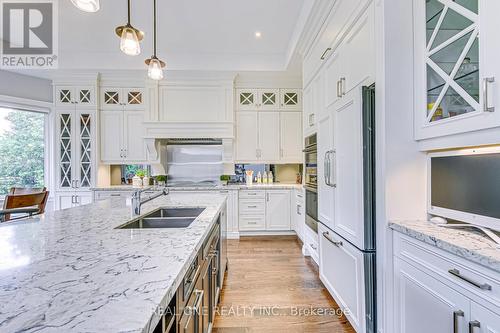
(452, 59)
(65, 150)
(84, 162)
(247, 99)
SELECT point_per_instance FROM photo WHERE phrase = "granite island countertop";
(466, 243)
(72, 271)
(255, 186)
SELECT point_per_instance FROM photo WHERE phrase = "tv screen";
(467, 183)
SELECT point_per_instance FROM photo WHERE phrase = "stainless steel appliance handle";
(324, 53)
(342, 86)
(334, 181)
(326, 234)
(456, 314)
(325, 166)
(486, 82)
(473, 324)
(456, 272)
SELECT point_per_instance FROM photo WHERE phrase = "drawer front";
(110, 194)
(252, 207)
(455, 270)
(252, 194)
(250, 223)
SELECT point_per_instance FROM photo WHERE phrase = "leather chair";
(24, 202)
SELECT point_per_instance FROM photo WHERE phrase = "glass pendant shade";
(90, 6)
(129, 43)
(155, 71)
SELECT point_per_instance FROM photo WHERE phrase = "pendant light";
(155, 65)
(90, 6)
(129, 37)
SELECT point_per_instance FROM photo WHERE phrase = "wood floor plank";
(271, 287)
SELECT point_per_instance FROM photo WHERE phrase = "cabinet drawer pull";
(313, 247)
(326, 234)
(473, 324)
(486, 82)
(324, 53)
(115, 195)
(456, 314)
(456, 272)
(197, 303)
(252, 206)
(252, 222)
(342, 86)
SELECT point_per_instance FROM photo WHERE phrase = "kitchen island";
(73, 271)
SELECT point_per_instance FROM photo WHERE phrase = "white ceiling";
(192, 34)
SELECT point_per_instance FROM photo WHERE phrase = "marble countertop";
(71, 271)
(274, 186)
(466, 243)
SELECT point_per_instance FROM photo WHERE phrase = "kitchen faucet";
(137, 202)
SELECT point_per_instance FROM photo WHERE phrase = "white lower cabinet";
(278, 210)
(420, 296)
(483, 320)
(298, 213)
(264, 210)
(232, 212)
(72, 199)
(437, 292)
(342, 270)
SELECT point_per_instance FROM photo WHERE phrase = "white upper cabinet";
(290, 99)
(262, 99)
(246, 99)
(268, 99)
(291, 140)
(122, 98)
(456, 67)
(342, 14)
(247, 136)
(269, 136)
(80, 96)
(122, 137)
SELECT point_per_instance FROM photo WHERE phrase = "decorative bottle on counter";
(264, 178)
(145, 181)
(270, 178)
(136, 181)
(259, 178)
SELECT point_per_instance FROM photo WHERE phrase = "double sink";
(165, 218)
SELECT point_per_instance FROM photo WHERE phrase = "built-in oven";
(312, 208)
(311, 183)
(311, 161)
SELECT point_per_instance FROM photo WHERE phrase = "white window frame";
(46, 108)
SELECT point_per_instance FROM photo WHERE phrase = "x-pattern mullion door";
(452, 58)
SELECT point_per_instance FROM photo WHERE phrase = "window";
(22, 149)
(129, 170)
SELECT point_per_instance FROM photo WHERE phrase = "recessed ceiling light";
(258, 34)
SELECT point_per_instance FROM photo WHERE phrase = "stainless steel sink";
(165, 218)
(176, 212)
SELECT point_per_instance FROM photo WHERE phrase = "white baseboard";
(267, 233)
(233, 235)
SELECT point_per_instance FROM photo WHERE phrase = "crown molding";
(317, 17)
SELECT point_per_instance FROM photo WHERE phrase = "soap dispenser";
(270, 179)
(259, 178)
(264, 178)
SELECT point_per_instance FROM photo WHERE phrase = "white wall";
(401, 168)
(23, 86)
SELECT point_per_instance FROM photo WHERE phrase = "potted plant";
(162, 180)
(137, 180)
(224, 179)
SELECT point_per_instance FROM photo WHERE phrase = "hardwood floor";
(271, 287)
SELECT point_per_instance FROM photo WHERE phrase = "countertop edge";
(467, 253)
(169, 294)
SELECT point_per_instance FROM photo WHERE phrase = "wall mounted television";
(464, 185)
